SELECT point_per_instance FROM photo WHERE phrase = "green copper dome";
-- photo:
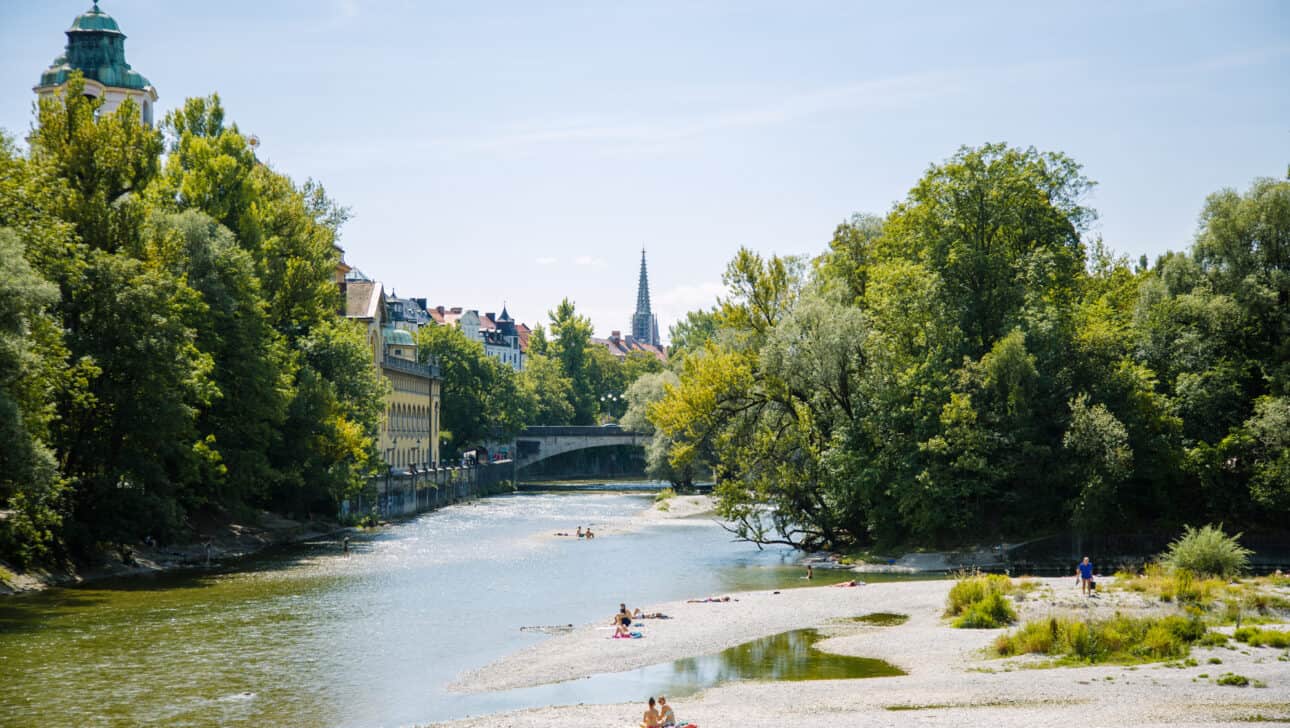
(397, 337)
(96, 48)
(96, 20)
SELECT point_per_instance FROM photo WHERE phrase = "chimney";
(614, 336)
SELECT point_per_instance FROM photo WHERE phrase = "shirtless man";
(651, 717)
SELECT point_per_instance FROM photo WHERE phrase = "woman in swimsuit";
(666, 716)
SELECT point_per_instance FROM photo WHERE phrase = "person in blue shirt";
(1084, 576)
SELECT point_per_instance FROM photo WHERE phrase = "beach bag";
(1092, 585)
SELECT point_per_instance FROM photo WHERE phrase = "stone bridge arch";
(536, 444)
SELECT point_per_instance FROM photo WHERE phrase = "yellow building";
(410, 428)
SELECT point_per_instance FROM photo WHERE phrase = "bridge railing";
(573, 431)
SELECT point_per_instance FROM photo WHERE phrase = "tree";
(570, 345)
(982, 220)
(481, 399)
(31, 487)
(546, 391)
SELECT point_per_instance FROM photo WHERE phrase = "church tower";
(644, 323)
(96, 48)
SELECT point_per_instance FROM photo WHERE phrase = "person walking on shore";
(1084, 576)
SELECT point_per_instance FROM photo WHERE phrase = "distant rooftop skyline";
(526, 151)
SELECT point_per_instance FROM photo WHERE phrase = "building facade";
(409, 435)
(502, 338)
(96, 48)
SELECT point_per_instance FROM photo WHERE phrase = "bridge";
(535, 444)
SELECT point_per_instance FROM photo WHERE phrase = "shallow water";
(307, 636)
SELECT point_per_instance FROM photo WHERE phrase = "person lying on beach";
(651, 717)
(651, 615)
(850, 583)
(708, 600)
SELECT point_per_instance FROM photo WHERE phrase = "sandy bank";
(951, 681)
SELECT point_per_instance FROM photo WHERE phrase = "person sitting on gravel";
(624, 617)
(651, 717)
(666, 716)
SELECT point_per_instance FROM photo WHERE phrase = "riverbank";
(950, 681)
(228, 541)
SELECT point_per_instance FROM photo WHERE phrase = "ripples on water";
(307, 636)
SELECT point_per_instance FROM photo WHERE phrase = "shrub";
(1233, 679)
(667, 493)
(1119, 639)
(1207, 551)
(991, 612)
(1213, 639)
(1256, 637)
(972, 588)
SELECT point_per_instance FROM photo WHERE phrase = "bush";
(1119, 639)
(1207, 551)
(1256, 637)
(970, 589)
(1234, 680)
(666, 494)
(991, 612)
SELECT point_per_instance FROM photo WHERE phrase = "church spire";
(644, 323)
(642, 289)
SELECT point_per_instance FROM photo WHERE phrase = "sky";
(522, 152)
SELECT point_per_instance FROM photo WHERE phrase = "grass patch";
(1234, 680)
(666, 494)
(1256, 637)
(1213, 639)
(979, 601)
(1121, 640)
(882, 619)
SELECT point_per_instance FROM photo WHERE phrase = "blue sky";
(525, 151)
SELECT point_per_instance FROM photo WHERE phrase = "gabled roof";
(363, 300)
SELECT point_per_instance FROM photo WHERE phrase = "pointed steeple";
(642, 288)
(644, 324)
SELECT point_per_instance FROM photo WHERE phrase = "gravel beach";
(951, 679)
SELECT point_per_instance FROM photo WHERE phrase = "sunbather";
(651, 717)
(666, 716)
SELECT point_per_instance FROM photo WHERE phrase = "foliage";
(1231, 679)
(169, 337)
(979, 601)
(1262, 637)
(971, 367)
(1120, 639)
(664, 495)
(482, 399)
(1207, 551)
(989, 613)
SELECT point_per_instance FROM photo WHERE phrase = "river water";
(307, 636)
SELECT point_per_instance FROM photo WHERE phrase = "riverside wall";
(404, 494)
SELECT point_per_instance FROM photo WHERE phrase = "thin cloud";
(589, 261)
(895, 92)
(547, 260)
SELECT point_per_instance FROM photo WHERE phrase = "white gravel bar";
(951, 680)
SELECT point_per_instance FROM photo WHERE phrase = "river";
(308, 636)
